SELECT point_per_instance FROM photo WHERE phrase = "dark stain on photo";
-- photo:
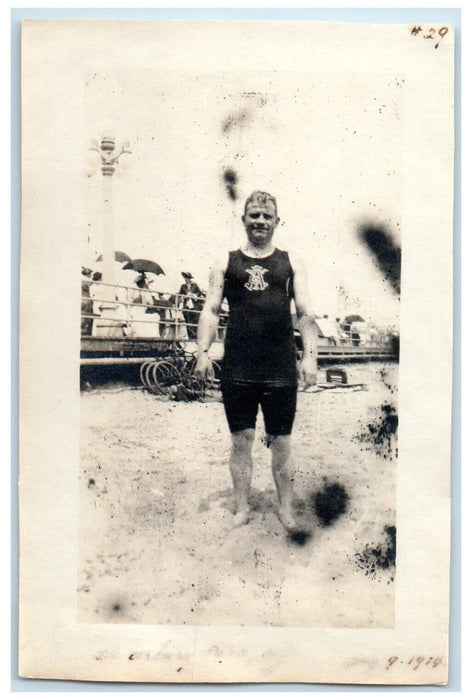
(381, 432)
(230, 179)
(386, 252)
(238, 119)
(380, 556)
(330, 503)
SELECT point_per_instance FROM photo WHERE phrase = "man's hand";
(307, 371)
(204, 367)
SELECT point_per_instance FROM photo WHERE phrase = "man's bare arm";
(210, 316)
(306, 322)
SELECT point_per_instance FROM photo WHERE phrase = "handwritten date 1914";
(415, 662)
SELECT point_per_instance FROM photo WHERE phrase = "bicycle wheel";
(215, 381)
(148, 382)
(164, 375)
(197, 387)
(190, 388)
(148, 376)
(143, 372)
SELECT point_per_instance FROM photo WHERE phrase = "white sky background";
(328, 146)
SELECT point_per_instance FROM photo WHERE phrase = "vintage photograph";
(236, 301)
(239, 348)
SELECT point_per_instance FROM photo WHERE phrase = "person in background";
(144, 297)
(162, 307)
(192, 302)
(330, 330)
(96, 294)
(86, 305)
(141, 325)
(343, 336)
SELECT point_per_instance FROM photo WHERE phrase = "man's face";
(260, 220)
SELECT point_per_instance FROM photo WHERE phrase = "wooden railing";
(117, 312)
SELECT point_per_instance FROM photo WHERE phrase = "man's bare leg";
(240, 464)
(284, 472)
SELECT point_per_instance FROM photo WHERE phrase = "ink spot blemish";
(381, 431)
(387, 253)
(238, 119)
(116, 608)
(300, 538)
(330, 503)
(381, 556)
(230, 179)
(91, 482)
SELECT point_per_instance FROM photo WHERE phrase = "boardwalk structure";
(152, 325)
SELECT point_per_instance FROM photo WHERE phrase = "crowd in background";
(118, 311)
(123, 311)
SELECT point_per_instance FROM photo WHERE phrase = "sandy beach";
(156, 545)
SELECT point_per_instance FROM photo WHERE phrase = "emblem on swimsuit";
(256, 281)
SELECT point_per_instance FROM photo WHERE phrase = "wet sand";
(156, 545)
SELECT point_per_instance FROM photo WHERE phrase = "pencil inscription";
(415, 662)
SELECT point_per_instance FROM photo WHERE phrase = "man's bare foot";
(241, 518)
(287, 519)
(293, 518)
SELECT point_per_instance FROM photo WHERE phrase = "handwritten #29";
(430, 33)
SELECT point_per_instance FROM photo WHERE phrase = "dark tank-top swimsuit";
(259, 342)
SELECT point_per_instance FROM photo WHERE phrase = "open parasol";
(354, 318)
(119, 257)
(141, 265)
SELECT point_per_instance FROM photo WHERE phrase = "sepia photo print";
(248, 433)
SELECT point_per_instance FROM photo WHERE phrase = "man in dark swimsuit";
(259, 368)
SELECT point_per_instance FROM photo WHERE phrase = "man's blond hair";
(260, 198)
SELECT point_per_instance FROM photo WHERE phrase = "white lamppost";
(109, 161)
